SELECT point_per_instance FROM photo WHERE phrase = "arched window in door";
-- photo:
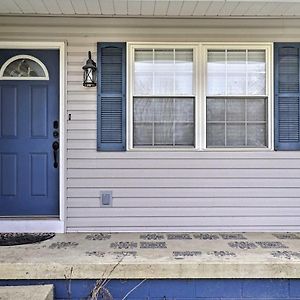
(23, 67)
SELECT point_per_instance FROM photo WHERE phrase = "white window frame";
(130, 87)
(30, 57)
(268, 47)
(200, 71)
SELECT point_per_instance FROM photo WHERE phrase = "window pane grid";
(163, 72)
(236, 122)
(163, 98)
(163, 122)
(236, 72)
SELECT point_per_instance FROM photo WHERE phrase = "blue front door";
(29, 112)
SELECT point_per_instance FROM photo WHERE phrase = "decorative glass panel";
(239, 122)
(24, 67)
(163, 122)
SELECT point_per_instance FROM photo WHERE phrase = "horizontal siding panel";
(82, 106)
(188, 202)
(183, 221)
(231, 155)
(184, 163)
(188, 192)
(76, 86)
(218, 228)
(81, 97)
(80, 58)
(186, 173)
(184, 183)
(76, 77)
(82, 134)
(83, 145)
(83, 125)
(183, 212)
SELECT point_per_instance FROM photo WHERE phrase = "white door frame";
(27, 224)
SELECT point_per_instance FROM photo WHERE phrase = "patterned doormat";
(14, 239)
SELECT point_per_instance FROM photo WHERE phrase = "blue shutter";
(111, 97)
(287, 95)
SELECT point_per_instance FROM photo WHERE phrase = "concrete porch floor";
(155, 255)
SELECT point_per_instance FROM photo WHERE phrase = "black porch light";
(89, 72)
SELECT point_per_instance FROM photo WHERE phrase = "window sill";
(200, 150)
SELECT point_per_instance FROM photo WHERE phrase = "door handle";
(55, 147)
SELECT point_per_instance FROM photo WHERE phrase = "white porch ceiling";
(150, 8)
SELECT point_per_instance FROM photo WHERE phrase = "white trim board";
(56, 226)
(45, 225)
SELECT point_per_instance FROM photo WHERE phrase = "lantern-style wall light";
(89, 72)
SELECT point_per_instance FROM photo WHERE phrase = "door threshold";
(17, 218)
(32, 225)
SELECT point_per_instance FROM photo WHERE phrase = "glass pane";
(143, 83)
(256, 135)
(143, 60)
(163, 109)
(163, 134)
(236, 84)
(142, 134)
(184, 134)
(235, 110)
(215, 110)
(256, 61)
(256, 110)
(163, 121)
(163, 72)
(215, 135)
(24, 67)
(184, 60)
(216, 72)
(184, 110)
(256, 84)
(236, 72)
(164, 60)
(236, 61)
(235, 135)
(163, 83)
(143, 110)
(216, 85)
(184, 83)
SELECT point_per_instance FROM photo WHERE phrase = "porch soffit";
(152, 8)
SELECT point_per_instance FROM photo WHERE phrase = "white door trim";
(45, 224)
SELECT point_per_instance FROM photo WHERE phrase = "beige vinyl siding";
(165, 191)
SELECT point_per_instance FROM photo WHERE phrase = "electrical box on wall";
(106, 198)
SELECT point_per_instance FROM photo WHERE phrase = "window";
(23, 67)
(228, 106)
(163, 97)
(236, 98)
